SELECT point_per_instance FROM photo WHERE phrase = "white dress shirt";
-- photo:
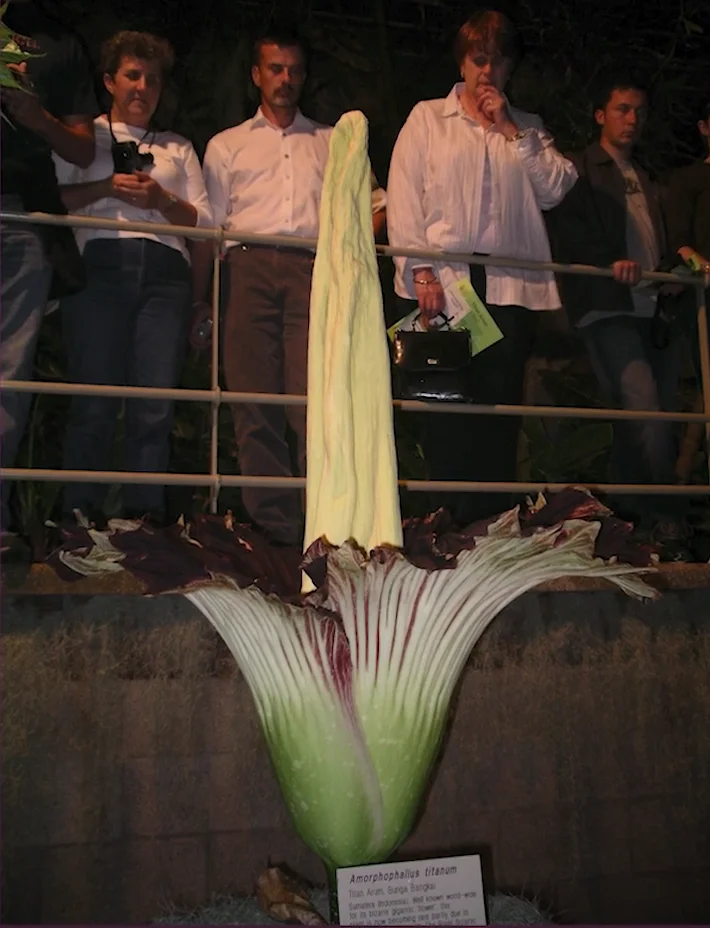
(176, 167)
(266, 180)
(454, 186)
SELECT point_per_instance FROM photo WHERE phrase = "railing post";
(214, 374)
(701, 302)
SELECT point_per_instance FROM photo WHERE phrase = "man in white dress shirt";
(471, 174)
(265, 176)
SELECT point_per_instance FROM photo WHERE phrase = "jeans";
(127, 328)
(26, 278)
(636, 374)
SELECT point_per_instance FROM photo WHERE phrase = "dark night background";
(382, 56)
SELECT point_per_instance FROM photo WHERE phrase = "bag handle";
(446, 324)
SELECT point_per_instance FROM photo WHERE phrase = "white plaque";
(441, 891)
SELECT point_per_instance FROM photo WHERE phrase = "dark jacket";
(687, 208)
(589, 227)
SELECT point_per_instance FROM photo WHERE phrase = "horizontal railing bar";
(294, 241)
(642, 489)
(292, 399)
(49, 387)
(45, 475)
(550, 412)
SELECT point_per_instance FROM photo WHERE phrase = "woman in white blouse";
(471, 174)
(130, 324)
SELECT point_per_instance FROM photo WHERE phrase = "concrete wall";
(135, 774)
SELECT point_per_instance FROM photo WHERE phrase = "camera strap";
(138, 144)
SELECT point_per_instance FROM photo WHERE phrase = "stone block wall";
(135, 775)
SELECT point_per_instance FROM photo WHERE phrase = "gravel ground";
(503, 909)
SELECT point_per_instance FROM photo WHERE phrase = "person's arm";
(680, 206)
(405, 212)
(77, 196)
(192, 209)
(578, 237)
(217, 187)
(71, 137)
(66, 118)
(551, 175)
(196, 192)
(379, 223)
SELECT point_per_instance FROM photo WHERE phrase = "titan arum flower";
(353, 687)
(353, 680)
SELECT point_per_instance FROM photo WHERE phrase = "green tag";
(468, 311)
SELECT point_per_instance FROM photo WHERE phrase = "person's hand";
(139, 189)
(492, 104)
(200, 325)
(24, 106)
(627, 272)
(430, 294)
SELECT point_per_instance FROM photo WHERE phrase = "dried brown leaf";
(285, 898)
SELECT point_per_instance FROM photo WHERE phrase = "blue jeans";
(26, 278)
(127, 328)
(636, 374)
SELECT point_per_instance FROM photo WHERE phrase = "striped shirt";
(454, 186)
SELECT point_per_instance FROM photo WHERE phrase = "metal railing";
(216, 396)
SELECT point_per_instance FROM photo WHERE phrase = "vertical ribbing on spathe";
(351, 483)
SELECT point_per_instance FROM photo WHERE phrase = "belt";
(286, 249)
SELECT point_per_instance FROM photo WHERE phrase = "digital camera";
(127, 159)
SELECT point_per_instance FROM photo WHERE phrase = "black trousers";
(481, 448)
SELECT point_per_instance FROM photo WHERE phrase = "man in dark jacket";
(612, 218)
(55, 116)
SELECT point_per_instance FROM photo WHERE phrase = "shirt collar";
(300, 122)
(452, 103)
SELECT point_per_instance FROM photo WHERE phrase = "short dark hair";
(619, 80)
(704, 109)
(490, 31)
(138, 45)
(282, 37)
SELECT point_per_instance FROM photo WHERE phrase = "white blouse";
(456, 187)
(176, 167)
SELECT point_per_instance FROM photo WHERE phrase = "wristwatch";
(519, 136)
(171, 201)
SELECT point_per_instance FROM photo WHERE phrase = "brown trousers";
(265, 350)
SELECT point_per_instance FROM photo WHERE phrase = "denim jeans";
(26, 278)
(636, 374)
(127, 328)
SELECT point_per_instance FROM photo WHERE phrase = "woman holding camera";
(130, 325)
